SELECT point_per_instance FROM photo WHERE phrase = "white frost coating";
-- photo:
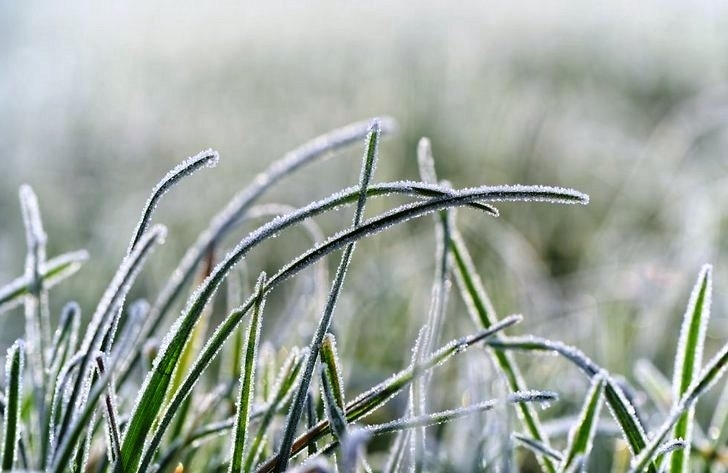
(425, 161)
(35, 235)
(688, 329)
(14, 379)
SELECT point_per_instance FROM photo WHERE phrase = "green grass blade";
(367, 169)
(483, 313)
(334, 411)
(111, 301)
(710, 375)
(287, 381)
(367, 402)
(13, 398)
(581, 436)
(247, 382)
(622, 409)
(538, 448)
(204, 159)
(52, 272)
(111, 411)
(688, 360)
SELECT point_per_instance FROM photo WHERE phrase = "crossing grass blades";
(71, 400)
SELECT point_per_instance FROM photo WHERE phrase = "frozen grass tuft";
(85, 400)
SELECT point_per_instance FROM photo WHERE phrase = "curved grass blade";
(712, 372)
(52, 272)
(13, 398)
(581, 436)
(369, 401)
(155, 385)
(208, 158)
(483, 313)
(688, 360)
(247, 382)
(111, 301)
(623, 411)
(367, 169)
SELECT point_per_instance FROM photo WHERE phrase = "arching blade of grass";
(369, 401)
(623, 411)
(208, 158)
(13, 399)
(483, 313)
(247, 381)
(152, 392)
(111, 411)
(367, 170)
(52, 272)
(581, 436)
(688, 360)
(712, 372)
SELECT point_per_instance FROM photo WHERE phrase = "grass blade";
(208, 158)
(367, 402)
(333, 386)
(13, 399)
(622, 409)
(247, 382)
(52, 272)
(368, 165)
(111, 301)
(111, 411)
(712, 372)
(582, 435)
(688, 360)
(538, 448)
(483, 313)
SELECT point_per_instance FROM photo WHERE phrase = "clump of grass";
(86, 411)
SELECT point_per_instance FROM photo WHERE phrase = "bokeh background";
(627, 101)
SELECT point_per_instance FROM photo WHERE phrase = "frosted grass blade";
(688, 360)
(623, 411)
(367, 169)
(208, 158)
(287, 381)
(333, 382)
(12, 428)
(538, 447)
(483, 314)
(581, 436)
(155, 384)
(352, 445)
(247, 382)
(111, 411)
(712, 372)
(101, 320)
(334, 412)
(365, 403)
(443, 417)
(52, 272)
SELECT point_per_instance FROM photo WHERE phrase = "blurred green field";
(625, 102)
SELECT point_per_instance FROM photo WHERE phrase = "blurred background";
(627, 101)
